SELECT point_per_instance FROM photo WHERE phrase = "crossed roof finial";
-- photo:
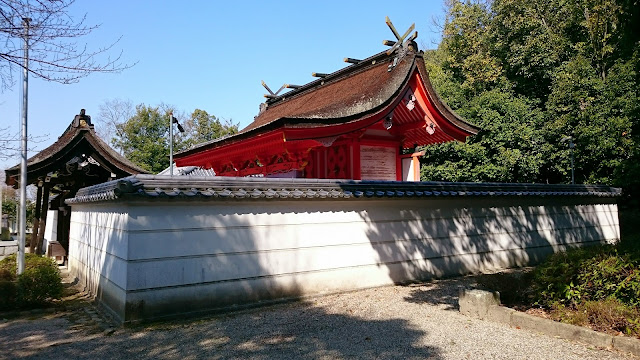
(400, 43)
(272, 94)
(399, 39)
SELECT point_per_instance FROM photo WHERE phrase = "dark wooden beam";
(43, 220)
(351, 60)
(319, 75)
(36, 219)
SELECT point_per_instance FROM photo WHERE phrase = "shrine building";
(362, 122)
(305, 201)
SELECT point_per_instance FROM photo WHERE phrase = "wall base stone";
(485, 305)
(477, 303)
(8, 248)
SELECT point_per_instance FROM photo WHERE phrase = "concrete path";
(397, 322)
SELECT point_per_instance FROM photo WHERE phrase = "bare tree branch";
(112, 113)
(10, 143)
(54, 55)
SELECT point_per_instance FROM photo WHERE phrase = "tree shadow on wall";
(438, 238)
(185, 258)
(199, 258)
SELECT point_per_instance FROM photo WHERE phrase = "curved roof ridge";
(71, 138)
(444, 109)
(380, 86)
(332, 77)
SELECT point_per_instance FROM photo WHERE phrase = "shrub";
(590, 274)
(553, 278)
(39, 282)
(609, 275)
(8, 268)
(8, 293)
(8, 286)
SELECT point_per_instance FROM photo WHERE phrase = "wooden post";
(43, 219)
(36, 219)
(357, 167)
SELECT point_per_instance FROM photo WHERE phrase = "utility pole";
(171, 144)
(23, 167)
(1, 219)
(572, 145)
(172, 120)
(573, 177)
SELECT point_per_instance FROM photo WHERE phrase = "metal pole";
(23, 167)
(171, 144)
(1, 222)
(571, 146)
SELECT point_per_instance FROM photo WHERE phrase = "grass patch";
(610, 316)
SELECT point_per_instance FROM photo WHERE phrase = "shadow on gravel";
(443, 292)
(298, 331)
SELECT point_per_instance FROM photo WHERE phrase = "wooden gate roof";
(78, 144)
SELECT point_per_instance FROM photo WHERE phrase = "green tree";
(600, 115)
(468, 46)
(10, 201)
(510, 147)
(469, 75)
(202, 127)
(530, 72)
(530, 41)
(144, 138)
(601, 23)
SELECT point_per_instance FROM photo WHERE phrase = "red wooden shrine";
(351, 124)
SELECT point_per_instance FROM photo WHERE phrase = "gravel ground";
(395, 322)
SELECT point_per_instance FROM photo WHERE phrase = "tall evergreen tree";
(144, 138)
(531, 72)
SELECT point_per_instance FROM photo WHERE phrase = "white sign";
(378, 163)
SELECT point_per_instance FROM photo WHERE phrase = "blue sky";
(212, 55)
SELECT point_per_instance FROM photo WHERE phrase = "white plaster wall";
(164, 256)
(408, 170)
(50, 228)
(98, 251)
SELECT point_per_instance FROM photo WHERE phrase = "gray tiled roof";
(188, 170)
(157, 186)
